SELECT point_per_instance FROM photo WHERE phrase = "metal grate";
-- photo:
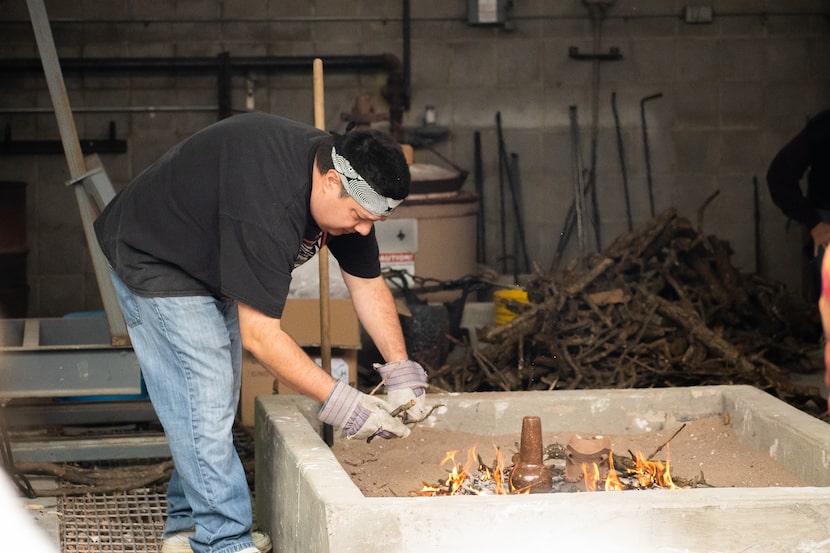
(119, 522)
(125, 521)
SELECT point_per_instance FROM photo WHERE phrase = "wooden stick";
(323, 255)
(656, 451)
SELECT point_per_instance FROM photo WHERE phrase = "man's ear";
(331, 181)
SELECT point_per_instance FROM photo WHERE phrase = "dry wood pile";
(661, 306)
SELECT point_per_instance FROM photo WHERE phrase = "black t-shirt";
(226, 213)
(810, 149)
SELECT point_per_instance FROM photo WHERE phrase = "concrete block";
(742, 59)
(697, 151)
(242, 9)
(697, 60)
(786, 105)
(307, 502)
(786, 59)
(741, 155)
(467, 60)
(519, 64)
(698, 106)
(741, 105)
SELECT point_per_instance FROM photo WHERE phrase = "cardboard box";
(301, 321)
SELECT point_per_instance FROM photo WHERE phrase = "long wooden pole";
(323, 256)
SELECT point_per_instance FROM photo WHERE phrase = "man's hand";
(360, 415)
(405, 381)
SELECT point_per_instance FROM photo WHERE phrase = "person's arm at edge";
(783, 180)
(264, 338)
(378, 314)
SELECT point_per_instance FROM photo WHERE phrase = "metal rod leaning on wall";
(756, 204)
(502, 215)
(481, 244)
(323, 254)
(578, 183)
(597, 12)
(621, 151)
(646, 151)
(575, 215)
(506, 168)
(520, 239)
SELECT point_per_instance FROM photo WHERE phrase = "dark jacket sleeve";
(783, 178)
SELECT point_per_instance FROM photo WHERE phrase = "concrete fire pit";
(309, 504)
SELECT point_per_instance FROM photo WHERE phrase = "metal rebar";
(621, 151)
(578, 184)
(646, 151)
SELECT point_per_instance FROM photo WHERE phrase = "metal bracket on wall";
(613, 54)
(111, 145)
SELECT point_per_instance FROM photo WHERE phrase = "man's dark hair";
(375, 156)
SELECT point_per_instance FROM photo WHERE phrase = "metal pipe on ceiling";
(379, 62)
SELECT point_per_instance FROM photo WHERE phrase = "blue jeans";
(190, 354)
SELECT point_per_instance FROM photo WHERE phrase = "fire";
(652, 473)
(591, 476)
(461, 479)
(648, 474)
(612, 482)
(474, 477)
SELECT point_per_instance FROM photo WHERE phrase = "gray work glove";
(360, 415)
(406, 382)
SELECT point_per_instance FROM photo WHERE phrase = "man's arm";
(263, 337)
(405, 380)
(359, 415)
(783, 180)
(376, 310)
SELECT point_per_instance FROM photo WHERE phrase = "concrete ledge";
(309, 504)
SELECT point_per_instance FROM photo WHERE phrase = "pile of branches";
(661, 306)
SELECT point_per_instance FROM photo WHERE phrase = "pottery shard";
(582, 451)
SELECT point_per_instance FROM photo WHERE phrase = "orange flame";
(454, 483)
(591, 475)
(499, 479)
(652, 473)
(647, 473)
(612, 482)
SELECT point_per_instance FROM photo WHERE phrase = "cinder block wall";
(733, 91)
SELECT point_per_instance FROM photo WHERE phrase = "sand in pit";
(396, 468)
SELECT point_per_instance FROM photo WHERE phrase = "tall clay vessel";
(530, 473)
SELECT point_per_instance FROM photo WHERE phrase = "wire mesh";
(119, 522)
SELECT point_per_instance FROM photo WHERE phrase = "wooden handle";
(319, 97)
(323, 256)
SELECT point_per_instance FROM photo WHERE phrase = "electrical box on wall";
(487, 12)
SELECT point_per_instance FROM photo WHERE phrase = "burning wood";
(661, 306)
(620, 473)
(585, 464)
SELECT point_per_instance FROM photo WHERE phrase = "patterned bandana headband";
(360, 190)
